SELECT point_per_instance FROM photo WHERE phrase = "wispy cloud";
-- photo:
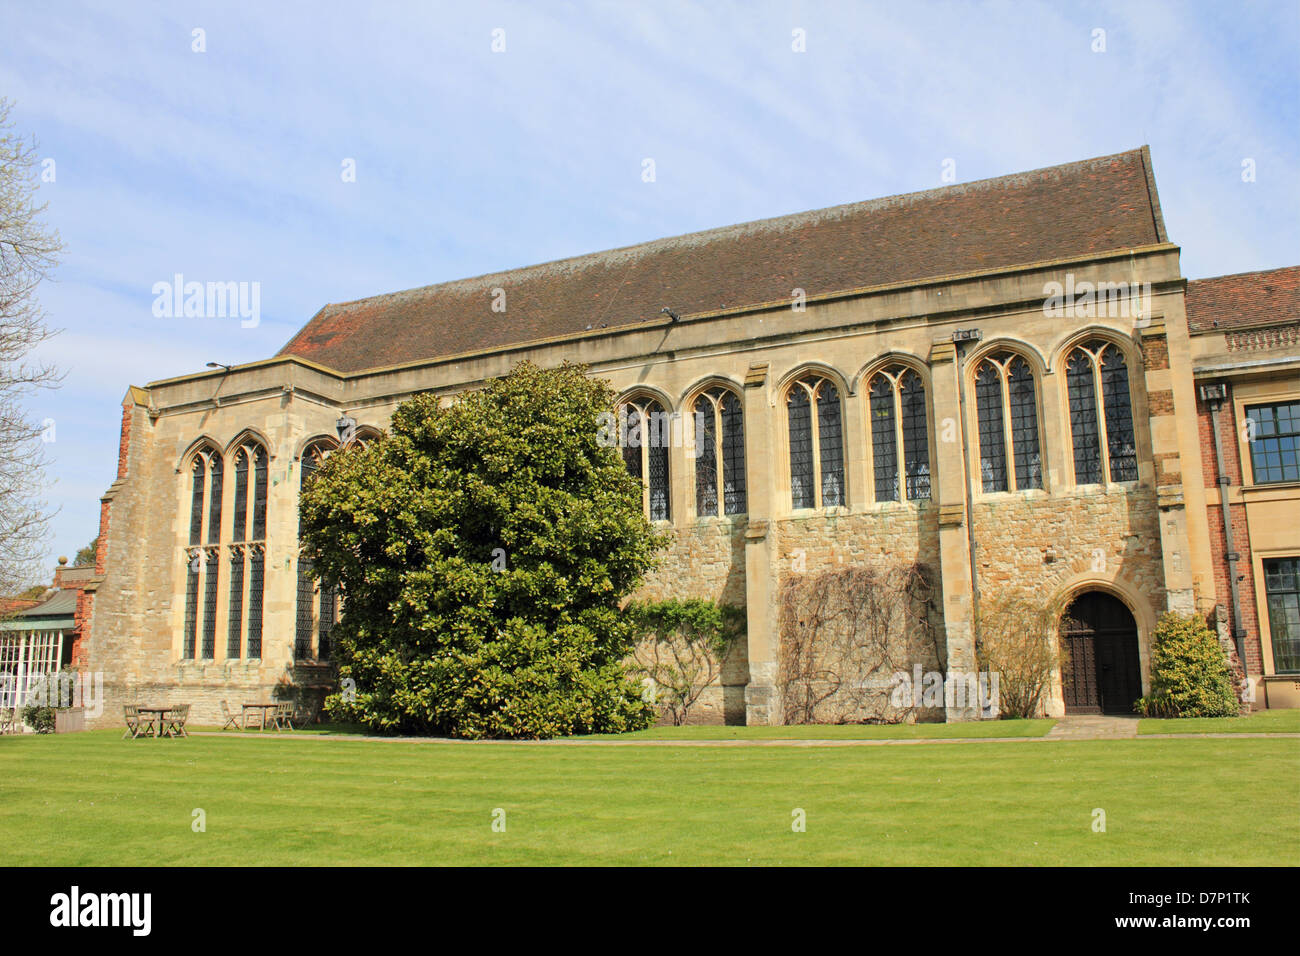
(225, 165)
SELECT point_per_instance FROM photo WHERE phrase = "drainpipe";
(1214, 395)
(960, 337)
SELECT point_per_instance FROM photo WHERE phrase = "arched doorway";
(1100, 673)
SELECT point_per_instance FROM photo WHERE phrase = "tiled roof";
(1244, 299)
(1082, 208)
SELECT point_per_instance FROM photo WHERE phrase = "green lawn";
(1278, 721)
(94, 799)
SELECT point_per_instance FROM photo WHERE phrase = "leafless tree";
(1018, 642)
(29, 250)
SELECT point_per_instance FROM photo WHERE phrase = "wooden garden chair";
(175, 720)
(282, 716)
(136, 725)
(232, 719)
(9, 721)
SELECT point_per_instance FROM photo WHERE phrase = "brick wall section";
(1155, 352)
(1240, 528)
(1161, 402)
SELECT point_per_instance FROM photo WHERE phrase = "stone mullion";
(900, 459)
(814, 420)
(1099, 400)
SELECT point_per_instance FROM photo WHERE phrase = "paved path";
(1073, 733)
(1092, 727)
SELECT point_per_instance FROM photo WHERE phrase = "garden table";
(160, 726)
(263, 708)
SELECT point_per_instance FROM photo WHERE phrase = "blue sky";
(225, 165)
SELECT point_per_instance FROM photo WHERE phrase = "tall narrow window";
(646, 435)
(1282, 589)
(248, 533)
(210, 604)
(255, 562)
(1006, 405)
(199, 634)
(815, 421)
(720, 452)
(259, 493)
(896, 400)
(916, 435)
(235, 625)
(884, 438)
(199, 470)
(317, 610)
(1121, 444)
(992, 428)
(1084, 428)
(1101, 414)
(191, 610)
(214, 501)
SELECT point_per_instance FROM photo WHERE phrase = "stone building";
(998, 380)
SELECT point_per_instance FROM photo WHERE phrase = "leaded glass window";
(992, 427)
(316, 605)
(646, 433)
(210, 605)
(191, 610)
(259, 493)
(802, 484)
(235, 625)
(1101, 415)
(815, 419)
(198, 636)
(1084, 428)
(214, 500)
(1274, 442)
(1282, 588)
(916, 435)
(248, 524)
(884, 437)
(720, 452)
(241, 495)
(896, 404)
(199, 470)
(255, 572)
(1006, 405)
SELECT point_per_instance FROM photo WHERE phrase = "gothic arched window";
(719, 452)
(317, 606)
(896, 399)
(1101, 414)
(1007, 409)
(645, 430)
(247, 551)
(201, 555)
(815, 421)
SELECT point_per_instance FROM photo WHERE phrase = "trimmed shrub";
(1189, 674)
(39, 718)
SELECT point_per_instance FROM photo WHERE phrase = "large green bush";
(483, 550)
(1189, 673)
